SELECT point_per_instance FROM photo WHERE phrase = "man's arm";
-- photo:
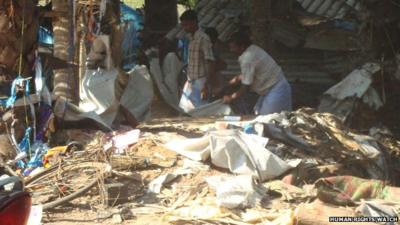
(246, 78)
(211, 79)
(242, 90)
(236, 80)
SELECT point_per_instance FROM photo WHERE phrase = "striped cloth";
(200, 50)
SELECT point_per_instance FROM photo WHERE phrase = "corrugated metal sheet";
(298, 66)
(330, 8)
(220, 14)
(289, 34)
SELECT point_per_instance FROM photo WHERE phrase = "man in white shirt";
(201, 65)
(260, 74)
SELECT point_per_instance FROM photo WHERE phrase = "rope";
(22, 39)
(26, 91)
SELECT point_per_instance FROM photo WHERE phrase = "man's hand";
(227, 99)
(235, 80)
(204, 93)
(216, 88)
(216, 91)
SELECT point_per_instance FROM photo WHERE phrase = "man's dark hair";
(212, 33)
(241, 39)
(189, 15)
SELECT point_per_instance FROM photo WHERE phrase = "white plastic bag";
(234, 191)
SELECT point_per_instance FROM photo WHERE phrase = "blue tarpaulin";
(132, 22)
(129, 14)
(45, 36)
(183, 45)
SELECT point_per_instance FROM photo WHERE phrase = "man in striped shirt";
(201, 65)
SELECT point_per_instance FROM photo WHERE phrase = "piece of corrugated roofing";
(324, 7)
(227, 32)
(208, 17)
(201, 4)
(211, 4)
(330, 8)
(220, 14)
(218, 19)
(225, 22)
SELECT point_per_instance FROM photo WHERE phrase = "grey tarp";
(342, 97)
(239, 152)
(216, 108)
(98, 100)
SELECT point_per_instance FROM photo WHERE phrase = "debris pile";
(308, 166)
(290, 168)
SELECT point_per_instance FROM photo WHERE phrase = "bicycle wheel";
(63, 183)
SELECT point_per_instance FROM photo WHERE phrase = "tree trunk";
(65, 84)
(161, 16)
(111, 25)
(260, 11)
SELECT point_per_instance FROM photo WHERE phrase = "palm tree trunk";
(64, 79)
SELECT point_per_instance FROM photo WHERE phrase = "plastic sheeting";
(341, 98)
(217, 108)
(45, 36)
(98, 95)
(40, 83)
(139, 93)
(167, 94)
(239, 152)
(377, 209)
(172, 68)
(355, 84)
(156, 185)
(234, 191)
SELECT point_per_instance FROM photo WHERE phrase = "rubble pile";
(310, 166)
(314, 165)
(324, 142)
